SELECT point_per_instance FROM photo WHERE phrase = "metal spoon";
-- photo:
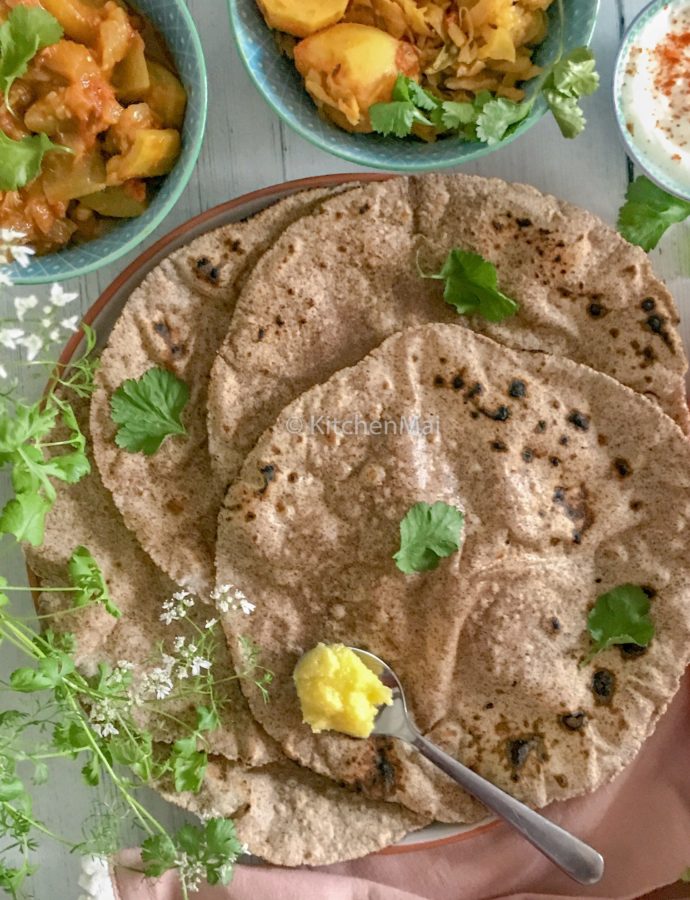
(573, 856)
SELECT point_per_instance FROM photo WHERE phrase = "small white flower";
(23, 304)
(5, 279)
(3, 372)
(10, 336)
(176, 607)
(70, 323)
(54, 335)
(193, 873)
(229, 598)
(60, 297)
(159, 680)
(247, 607)
(105, 730)
(211, 623)
(199, 664)
(21, 255)
(125, 665)
(33, 344)
(46, 323)
(179, 643)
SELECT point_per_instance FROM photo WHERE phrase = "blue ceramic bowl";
(173, 21)
(280, 84)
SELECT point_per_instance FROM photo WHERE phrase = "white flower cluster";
(31, 326)
(228, 598)
(193, 872)
(190, 662)
(176, 607)
(105, 712)
(159, 681)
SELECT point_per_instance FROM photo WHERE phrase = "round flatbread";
(340, 281)
(571, 485)
(286, 815)
(290, 816)
(176, 320)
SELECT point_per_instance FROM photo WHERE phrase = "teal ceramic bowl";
(174, 22)
(281, 86)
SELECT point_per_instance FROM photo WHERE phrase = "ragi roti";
(340, 281)
(177, 319)
(287, 815)
(571, 484)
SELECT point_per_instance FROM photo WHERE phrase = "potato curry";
(96, 107)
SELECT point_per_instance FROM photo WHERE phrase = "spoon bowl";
(577, 859)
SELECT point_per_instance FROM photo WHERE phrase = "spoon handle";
(570, 854)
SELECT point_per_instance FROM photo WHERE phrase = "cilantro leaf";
(21, 161)
(427, 534)
(416, 93)
(649, 212)
(26, 30)
(399, 115)
(565, 110)
(621, 616)
(85, 575)
(148, 410)
(159, 854)
(576, 73)
(471, 286)
(188, 765)
(24, 516)
(207, 719)
(221, 849)
(396, 117)
(571, 78)
(455, 115)
(497, 117)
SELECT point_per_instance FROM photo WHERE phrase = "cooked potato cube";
(131, 75)
(349, 67)
(115, 203)
(66, 177)
(79, 21)
(302, 17)
(136, 117)
(153, 152)
(115, 37)
(166, 96)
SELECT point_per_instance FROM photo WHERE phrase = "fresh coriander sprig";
(471, 286)
(92, 719)
(27, 448)
(428, 533)
(487, 117)
(620, 616)
(24, 32)
(649, 212)
(149, 409)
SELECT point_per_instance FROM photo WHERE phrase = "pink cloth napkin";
(640, 822)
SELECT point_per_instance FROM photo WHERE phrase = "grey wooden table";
(246, 148)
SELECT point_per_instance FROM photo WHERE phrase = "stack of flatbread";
(561, 433)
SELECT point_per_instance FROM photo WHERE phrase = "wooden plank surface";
(246, 147)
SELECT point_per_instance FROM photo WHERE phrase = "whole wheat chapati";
(287, 815)
(85, 515)
(290, 816)
(177, 319)
(571, 484)
(343, 279)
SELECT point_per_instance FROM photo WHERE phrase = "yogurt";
(655, 92)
